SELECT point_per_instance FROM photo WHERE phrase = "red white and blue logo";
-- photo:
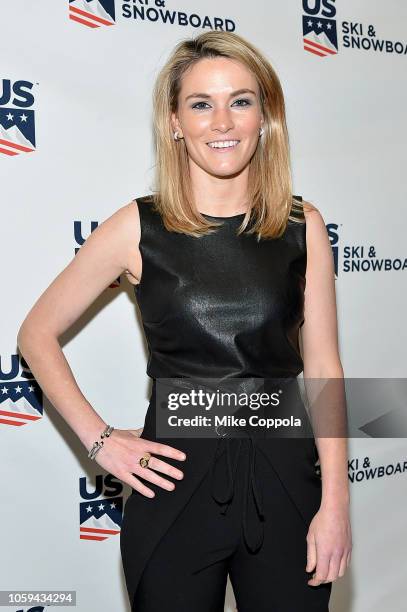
(320, 32)
(319, 27)
(21, 401)
(17, 121)
(100, 518)
(92, 13)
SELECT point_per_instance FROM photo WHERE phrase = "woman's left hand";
(329, 543)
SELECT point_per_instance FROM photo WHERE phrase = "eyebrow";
(206, 96)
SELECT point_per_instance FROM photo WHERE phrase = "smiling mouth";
(227, 145)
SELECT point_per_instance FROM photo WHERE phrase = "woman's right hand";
(122, 451)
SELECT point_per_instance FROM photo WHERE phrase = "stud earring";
(261, 131)
(176, 136)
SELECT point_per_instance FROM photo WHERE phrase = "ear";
(175, 124)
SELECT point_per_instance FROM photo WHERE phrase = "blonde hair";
(269, 181)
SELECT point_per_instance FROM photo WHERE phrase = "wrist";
(99, 443)
(91, 435)
(335, 499)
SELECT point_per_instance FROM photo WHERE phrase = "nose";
(222, 120)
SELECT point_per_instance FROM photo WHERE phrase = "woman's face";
(211, 109)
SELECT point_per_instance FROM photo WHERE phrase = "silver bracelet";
(98, 445)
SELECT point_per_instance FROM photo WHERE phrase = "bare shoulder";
(314, 219)
(120, 233)
(132, 229)
(317, 235)
(129, 218)
(309, 208)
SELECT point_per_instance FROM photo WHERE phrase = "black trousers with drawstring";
(188, 569)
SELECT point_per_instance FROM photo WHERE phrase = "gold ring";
(144, 460)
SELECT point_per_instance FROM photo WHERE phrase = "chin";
(229, 172)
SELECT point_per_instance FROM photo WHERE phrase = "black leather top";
(221, 305)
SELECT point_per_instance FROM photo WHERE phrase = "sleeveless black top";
(219, 306)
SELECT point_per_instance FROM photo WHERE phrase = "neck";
(217, 195)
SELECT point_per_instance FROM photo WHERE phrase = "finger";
(333, 568)
(342, 566)
(348, 558)
(151, 476)
(321, 571)
(157, 448)
(161, 466)
(136, 484)
(311, 554)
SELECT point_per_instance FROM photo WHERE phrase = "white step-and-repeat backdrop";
(76, 144)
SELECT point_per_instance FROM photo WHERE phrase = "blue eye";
(197, 104)
(248, 103)
(244, 100)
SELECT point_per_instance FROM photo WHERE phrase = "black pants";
(188, 569)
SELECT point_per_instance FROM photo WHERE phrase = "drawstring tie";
(253, 514)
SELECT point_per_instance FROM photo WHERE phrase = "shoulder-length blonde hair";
(269, 182)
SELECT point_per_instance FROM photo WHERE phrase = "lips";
(223, 148)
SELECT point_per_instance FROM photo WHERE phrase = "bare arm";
(102, 258)
(319, 335)
(110, 250)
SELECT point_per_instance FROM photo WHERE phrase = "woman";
(219, 257)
